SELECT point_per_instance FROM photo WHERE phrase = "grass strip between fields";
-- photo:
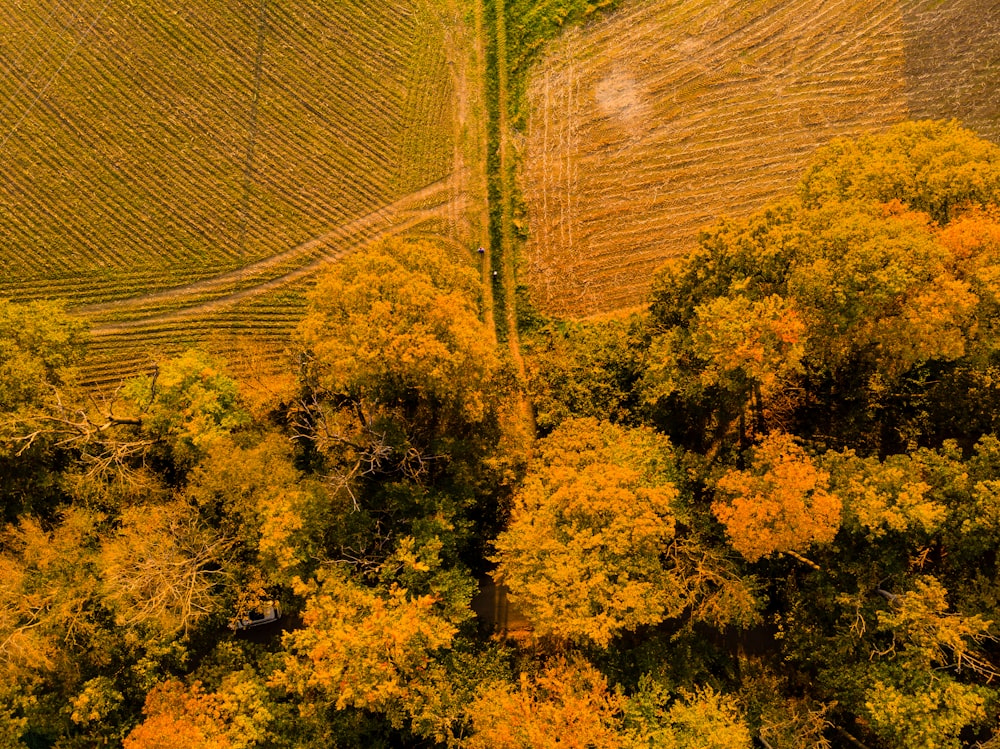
(516, 31)
(496, 80)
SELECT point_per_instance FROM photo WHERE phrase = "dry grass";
(647, 126)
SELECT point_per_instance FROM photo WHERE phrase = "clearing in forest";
(175, 173)
(648, 125)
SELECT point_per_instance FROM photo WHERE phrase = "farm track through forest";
(503, 178)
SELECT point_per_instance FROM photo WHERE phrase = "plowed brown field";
(648, 125)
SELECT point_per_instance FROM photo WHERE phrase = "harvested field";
(171, 172)
(648, 125)
(952, 62)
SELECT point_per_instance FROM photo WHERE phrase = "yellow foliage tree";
(593, 547)
(781, 504)
(934, 166)
(910, 709)
(890, 496)
(162, 568)
(362, 647)
(926, 632)
(399, 365)
(748, 343)
(699, 719)
(567, 704)
(828, 309)
(236, 716)
(188, 404)
(584, 550)
(49, 581)
(974, 242)
(257, 496)
(39, 346)
(877, 287)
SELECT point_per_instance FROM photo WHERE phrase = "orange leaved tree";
(781, 504)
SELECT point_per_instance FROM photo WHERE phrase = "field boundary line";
(506, 198)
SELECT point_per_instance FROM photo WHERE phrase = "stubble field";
(646, 126)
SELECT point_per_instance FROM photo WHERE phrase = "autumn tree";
(781, 503)
(163, 568)
(595, 545)
(936, 511)
(189, 402)
(179, 716)
(886, 496)
(733, 349)
(40, 347)
(406, 406)
(49, 579)
(115, 572)
(399, 369)
(362, 647)
(834, 311)
(60, 654)
(586, 368)
(901, 638)
(132, 445)
(933, 166)
(914, 695)
(780, 715)
(565, 704)
(700, 717)
(279, 520)
(913, 710)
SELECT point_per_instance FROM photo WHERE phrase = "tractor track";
(229, 288)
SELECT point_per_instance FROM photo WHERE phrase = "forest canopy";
(763, 512)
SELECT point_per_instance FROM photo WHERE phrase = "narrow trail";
(384, 222)
(506, 218)
(467, 60)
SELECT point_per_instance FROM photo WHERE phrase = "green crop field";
(160, 163)
(649, 124)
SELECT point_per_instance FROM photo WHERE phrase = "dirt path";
(506, 218)
(268, 286)
(468, 63)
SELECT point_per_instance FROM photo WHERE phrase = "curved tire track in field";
(386, 221)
